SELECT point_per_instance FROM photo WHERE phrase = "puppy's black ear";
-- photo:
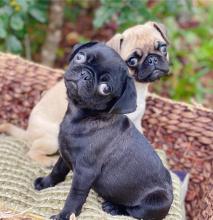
(127, 101)
(78, 47)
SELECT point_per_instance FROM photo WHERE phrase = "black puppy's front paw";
(113, 209)
(42, 183)
(57, 217)
(63, 216)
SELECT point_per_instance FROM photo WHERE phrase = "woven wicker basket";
(185, 132)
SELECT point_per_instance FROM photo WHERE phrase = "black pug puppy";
(102, 146)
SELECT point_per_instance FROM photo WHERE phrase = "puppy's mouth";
(151, 77)
(72, 83)
(72, 87)
(80, 82)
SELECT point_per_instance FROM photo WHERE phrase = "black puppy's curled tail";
(154, 206)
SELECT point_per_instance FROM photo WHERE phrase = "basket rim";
(13, 56)
(190, 106)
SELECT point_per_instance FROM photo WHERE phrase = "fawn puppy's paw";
(41, 159)
(4, 127)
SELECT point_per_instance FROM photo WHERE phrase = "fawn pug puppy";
(102, 146)
(142, 47)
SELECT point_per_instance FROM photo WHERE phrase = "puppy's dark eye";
(163, 50)
(132, 62)
(80, 58)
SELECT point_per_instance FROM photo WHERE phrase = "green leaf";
(38, 15)
(24, 4)
(6, 10)
(13, 44)
(102, 16)
(16, 22)
(3, 32)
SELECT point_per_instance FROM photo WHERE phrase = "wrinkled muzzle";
(153, 67)
(80, 81)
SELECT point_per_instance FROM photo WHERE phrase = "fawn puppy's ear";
(127, 101)
(116, 42)
(160, 28)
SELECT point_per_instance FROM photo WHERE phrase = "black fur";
(103, 147)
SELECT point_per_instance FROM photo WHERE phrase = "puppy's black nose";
(86, 75)
(152, 60)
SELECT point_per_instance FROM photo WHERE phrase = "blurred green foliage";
(191, 54)
(130, 12)
(18, 23)
(74, 7)
(191, 48)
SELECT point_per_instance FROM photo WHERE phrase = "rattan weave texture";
(185, 133)
(21, 86)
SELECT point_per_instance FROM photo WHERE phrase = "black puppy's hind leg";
(155, 206)
(58, 174)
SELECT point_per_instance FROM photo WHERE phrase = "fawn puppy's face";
(144, 49)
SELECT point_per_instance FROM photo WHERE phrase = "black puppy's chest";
(69, 143)
(85, 137)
